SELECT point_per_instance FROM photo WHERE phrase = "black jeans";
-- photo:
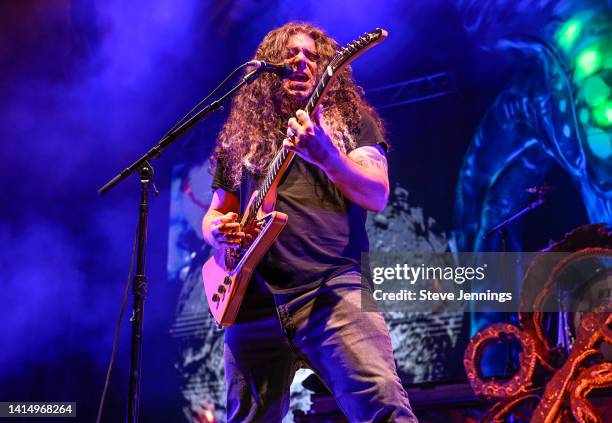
(325, 329)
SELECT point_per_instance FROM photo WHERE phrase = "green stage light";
(587, 63)
(596, 91)
(602, 115)
(568, 33)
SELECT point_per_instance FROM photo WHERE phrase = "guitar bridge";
(234, 255)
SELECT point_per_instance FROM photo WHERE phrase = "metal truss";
(413, 90)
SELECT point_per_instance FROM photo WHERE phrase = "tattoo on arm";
(373, 162)
(370, 157)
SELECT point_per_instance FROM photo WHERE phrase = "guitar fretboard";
(285, 155)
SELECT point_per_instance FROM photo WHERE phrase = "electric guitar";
(227, 273)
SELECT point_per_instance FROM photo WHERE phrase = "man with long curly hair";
(303, 304)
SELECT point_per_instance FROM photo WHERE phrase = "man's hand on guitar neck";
(310, 139)
(361, 175)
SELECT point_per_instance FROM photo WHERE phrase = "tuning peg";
(216, 298)
(221, 289)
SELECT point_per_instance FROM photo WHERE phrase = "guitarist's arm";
(361, 176)
(220, 226)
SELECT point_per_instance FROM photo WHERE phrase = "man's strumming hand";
(225, 231)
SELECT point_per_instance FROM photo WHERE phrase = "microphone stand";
(502, 230)
(139, 288)
(502, 227)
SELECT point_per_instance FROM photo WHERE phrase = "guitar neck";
(281, 162)
(319, 91)
(277, 168)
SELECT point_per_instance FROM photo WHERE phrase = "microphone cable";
(117, 330)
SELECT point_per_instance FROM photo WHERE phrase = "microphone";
(283, 70)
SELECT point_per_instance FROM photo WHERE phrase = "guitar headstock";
(351, 51)
(343, 57)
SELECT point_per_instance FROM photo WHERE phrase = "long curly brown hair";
(257, 123)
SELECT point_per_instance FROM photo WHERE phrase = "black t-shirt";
(325, 233)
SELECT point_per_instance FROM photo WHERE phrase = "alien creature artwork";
(557, 112)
